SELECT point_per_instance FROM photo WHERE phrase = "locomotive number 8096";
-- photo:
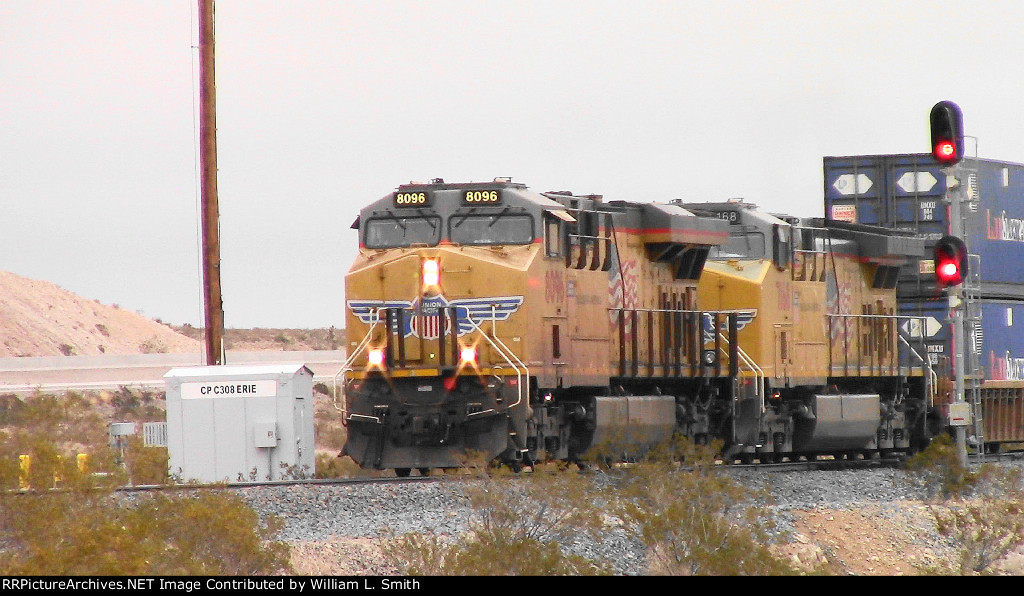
(411, 199)
(478, 197)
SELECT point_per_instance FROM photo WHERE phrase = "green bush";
(85, 528)
(986, 530)
(146, 464)
(330, 466)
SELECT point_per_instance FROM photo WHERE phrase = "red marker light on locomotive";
(431, 272)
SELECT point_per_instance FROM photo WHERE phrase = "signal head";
(950, 261)
(947, 131)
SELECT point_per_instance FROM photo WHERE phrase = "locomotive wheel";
(403, 472)
(424, 471)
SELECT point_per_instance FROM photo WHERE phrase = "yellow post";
(25, 464)
(83, 463)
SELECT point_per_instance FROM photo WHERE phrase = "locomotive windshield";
(491, 229)
(394, 232)
(741, 245)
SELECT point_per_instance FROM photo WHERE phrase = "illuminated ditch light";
(376, 357)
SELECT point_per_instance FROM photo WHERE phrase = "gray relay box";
(240, 423)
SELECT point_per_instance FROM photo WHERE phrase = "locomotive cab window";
(552, 237)
(395, 232)
(781, 247)
(741, 245)
(497, 228)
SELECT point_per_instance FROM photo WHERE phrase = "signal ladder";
(973, 373)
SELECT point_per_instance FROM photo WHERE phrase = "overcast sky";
(324, 106)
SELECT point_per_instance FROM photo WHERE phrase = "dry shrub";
(694, 519)
(516, 530)
(981, 509)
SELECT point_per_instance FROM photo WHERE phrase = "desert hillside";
(38, 318)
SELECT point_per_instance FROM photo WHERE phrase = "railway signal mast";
(947, 142)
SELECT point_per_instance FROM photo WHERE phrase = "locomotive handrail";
(926, 366)
(348, 364)
(933, 378)
(699, 330)
(759, 375)
(501, 348)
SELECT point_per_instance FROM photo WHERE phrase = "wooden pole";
(213, 305)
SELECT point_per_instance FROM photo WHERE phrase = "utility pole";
(212, 303)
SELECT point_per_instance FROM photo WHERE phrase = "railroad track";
(458, 476)
(804, 465)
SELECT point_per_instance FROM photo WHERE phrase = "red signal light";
(948, 273)
(945, 151)
(950, 261)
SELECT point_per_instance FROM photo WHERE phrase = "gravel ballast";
(322, 512)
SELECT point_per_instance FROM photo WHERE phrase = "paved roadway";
(65, 373)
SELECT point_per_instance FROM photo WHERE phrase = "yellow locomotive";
(828, 366)
(488, 318)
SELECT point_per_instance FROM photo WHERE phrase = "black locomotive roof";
(446, 198)
(658, 223)
(875, 241)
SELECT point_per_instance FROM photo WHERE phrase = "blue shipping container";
(909, 192)
(998, 338)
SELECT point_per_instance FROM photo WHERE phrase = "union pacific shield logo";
(421, 316)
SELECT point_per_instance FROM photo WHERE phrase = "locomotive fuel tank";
(839, 423)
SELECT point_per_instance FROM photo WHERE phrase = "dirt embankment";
(38, 318)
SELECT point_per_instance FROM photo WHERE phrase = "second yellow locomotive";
(829, 366)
